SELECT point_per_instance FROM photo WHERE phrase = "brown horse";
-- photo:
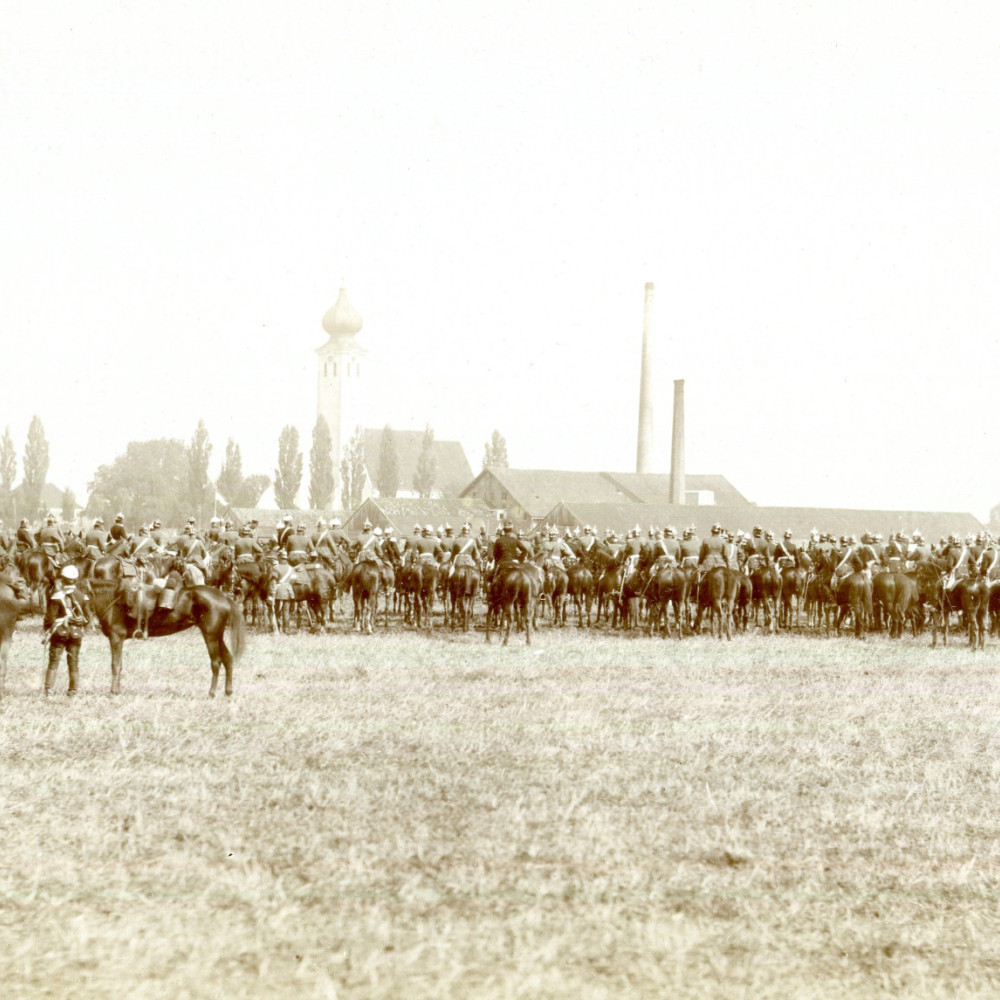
(205, 608)
(580, 587)
(463, 585)
(423, 597)
(14, 602)
(667, 586)
(365, 582)
(554, 590)
(512, 593)
(717, 595)
(766, 583)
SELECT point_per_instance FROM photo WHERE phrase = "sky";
(812, 188)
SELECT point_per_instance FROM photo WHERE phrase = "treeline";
(169, 479)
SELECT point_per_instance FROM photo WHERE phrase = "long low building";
(402, 513)
(799, 520)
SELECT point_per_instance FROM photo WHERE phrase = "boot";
(74, 678)
(52, 671)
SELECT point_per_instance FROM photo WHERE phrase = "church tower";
(341, 370)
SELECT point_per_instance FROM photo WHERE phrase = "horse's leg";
(116, 637)
(4, 650)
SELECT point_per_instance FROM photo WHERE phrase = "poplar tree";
(388, 464)
(321, 482)
(288, 475)
(426, 471)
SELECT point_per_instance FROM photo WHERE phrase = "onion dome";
(342, 319)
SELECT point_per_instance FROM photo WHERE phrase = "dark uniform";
(713, 551)
(96, 539)
(65, 620)
(509, 549)
(25, 539)
(298, 547)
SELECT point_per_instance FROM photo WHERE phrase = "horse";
(512, 592)
(221, 568)
(14, 602)
(365, 581)
(853, 593)
(766, 583)
(423, 597)
(717, 594)
(38, 569)
(554, 590)
(971, 597)
(794, 582)
(256, 580)
(580, 587)
(387, 585)
(463, 585)
(667, 585)
(205, 608)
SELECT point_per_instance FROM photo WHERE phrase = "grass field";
(406, 817)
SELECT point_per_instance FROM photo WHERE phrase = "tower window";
(335, 369)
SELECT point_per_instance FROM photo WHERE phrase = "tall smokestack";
(677, 445)
(644, 445)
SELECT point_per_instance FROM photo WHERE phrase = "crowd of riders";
(548, 546)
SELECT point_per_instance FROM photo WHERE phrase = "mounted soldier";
(786, 552)
(51, 542)
(424, 547)
(192, 553)
(508, 549)
(246, 549)
(369, 545)
(463, 550)
(552, 550)
(96, 539)
(297, 546)
(285, 531)
(690, 549)
(229, 534)
(118, 538)
(714, 550)
(141, 547)
(25, 539)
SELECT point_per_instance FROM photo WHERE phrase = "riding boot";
(52, 671)
(73, 665)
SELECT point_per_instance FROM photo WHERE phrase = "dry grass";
(403, 817)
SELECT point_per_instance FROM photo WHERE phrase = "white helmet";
(70, 573)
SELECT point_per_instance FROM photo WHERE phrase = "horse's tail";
(237, 629)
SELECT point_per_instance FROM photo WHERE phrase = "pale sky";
(813, 189)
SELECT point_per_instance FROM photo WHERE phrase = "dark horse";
(14, 603)
(204, 607)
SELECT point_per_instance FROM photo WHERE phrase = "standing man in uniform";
(65, 620)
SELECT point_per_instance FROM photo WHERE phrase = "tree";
(251, 490)
(352, 470)
(8, 472)
(199, 451)
(426, 471)
(495, 452)
(149, 480)
(321, 481)
(388, 465)
(68, 505)
(36, 467)
(288, 475)
(231, 474)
